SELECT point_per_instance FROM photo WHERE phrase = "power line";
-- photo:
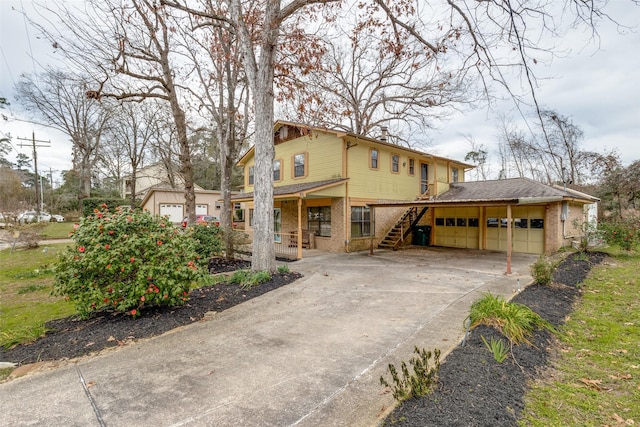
(35, 146)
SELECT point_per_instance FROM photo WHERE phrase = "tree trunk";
(226, 161)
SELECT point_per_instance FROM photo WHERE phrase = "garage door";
(457, 227)
(528, 229)
(173, 211)
(201, 210)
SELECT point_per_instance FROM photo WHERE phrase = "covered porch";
(307, 216)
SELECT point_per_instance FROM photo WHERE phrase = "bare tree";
(131, 52)
(479, 155)
(133, 130)
(365, 83)
(60, 99)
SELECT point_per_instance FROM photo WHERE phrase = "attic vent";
(383, 137)
(284, 132)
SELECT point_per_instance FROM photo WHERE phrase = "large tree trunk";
(226, 161)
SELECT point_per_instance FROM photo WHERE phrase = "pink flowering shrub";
(124, 261)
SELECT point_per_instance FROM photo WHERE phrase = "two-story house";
(346, 192)
(325, 180)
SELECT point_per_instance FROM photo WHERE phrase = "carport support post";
(508, 239)
(299, 252)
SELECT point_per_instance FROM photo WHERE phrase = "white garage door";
(202, 210)
(175, 212)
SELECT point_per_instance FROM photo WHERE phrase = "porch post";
(299, 254)
(509, 230)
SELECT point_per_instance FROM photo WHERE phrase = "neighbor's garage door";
(457, 227)
(173, 211)
(528, 229)
(201, 210)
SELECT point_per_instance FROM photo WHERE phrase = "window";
(474, 222)
(461, 222)
(424, 178)
(537, 223)
(440, 221)
(250, 175)
(451, 222)
(277, 225)
(299, 165)
(520, 222)
(373, 155)
(277, 165)
(251, 217)
(454, 175)
(395, 163)
(361, 223)
(412, 167)
(319, 220)
(492, 222)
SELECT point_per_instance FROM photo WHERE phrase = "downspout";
(345, 173)
(299, 242)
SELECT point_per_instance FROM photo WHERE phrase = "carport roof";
(503, 191)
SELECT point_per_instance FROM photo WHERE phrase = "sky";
(596, 84)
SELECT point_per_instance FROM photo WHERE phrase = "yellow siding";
(382, 183)
(324, 159)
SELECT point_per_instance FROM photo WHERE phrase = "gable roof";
(295, 190)
(350, 135)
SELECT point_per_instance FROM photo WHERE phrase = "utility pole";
(34, 144)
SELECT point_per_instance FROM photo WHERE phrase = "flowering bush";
(208, 242)
(621, 232)
(124, 261)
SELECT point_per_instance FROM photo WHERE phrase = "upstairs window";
(373, 155)
(454, 175)
(251, 178)
(395, 163)
(412, 167)
(299, 165)
(277, 165)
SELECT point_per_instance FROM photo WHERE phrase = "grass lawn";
(594, 379)
(57, 230)
(26, 276)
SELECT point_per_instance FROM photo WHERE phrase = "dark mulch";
(72, 337)
(473, 389)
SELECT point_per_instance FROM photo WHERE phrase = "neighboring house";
(152, 176)
(325, 182)
(343, 192)
(170, 202)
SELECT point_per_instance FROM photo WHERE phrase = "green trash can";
(421, 235)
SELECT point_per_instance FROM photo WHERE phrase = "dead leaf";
(592, 383)
(91, 383)
(111, 338)
(618, 418)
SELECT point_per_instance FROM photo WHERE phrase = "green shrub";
(542, 270)
(283, 269)
(417, 383)
(624, 233)
(497, 348)
(515, 321)
(90, 204)
(208, 240)
(123, 261)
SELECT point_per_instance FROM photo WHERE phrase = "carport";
(512, 215)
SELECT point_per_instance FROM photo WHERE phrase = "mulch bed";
(475, 390)
(72, 337)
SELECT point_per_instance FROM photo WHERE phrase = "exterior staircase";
(402, 228)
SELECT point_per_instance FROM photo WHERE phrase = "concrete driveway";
(308, 354)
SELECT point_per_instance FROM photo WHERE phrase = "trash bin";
(422, 235)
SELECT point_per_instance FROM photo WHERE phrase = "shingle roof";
(295, 188)
(506, 189)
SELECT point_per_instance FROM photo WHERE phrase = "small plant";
(515, 321)
(283, 269)
(417, 383)
(498, 348)
(123, 261)
(31, 288)
(542, 270)
(247, 280)
(624, 233)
